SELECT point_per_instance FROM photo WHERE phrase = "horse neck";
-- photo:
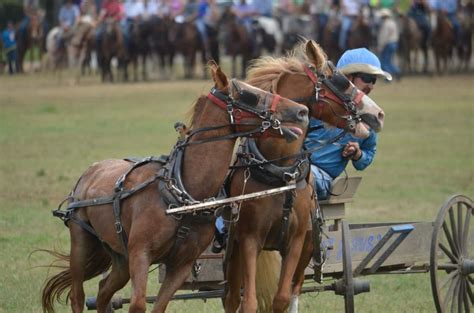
(205, 165)
(277, 148)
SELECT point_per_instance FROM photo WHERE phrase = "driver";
(328, 161)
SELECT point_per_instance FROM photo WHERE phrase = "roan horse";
(146, 234)
(281, 222)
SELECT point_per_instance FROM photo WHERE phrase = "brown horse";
(409, 43)
(360, 34)
(112, 45)
(443, 42)
(187, 41)
(281, 222)
(237, 42)
(146, 233)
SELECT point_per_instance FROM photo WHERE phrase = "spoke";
(469, 292)
(447, 296)
(454, 298)
(447, 279)
(465, 234)
(450, 239)
(460, 295)
(446, 251)
(467, 306)
(460, 229)
(453, 227)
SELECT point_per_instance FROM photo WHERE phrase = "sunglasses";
(367, 78)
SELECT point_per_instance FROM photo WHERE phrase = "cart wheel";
(452, 256)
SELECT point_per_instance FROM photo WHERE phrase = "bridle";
(246, 106)
(334, 83)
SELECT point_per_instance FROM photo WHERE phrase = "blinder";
(337, 85)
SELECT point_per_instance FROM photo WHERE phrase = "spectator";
(9, 45)
(420, 12)
(350, 10)
(68, 16)
(320, 10)
(362, 67)
(387, 42)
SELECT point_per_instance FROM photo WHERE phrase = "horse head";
(308, 77)
(249, 106)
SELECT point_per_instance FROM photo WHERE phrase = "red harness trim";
(276, 99)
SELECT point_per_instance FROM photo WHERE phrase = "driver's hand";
(352, 151)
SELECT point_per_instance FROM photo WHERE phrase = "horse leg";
(249, 254)
(115, 280)
(299, 276)
(289, 264)
(175, 277)
(138, 267)
(87, 257)
(232, 268)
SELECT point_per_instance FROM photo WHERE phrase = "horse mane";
(194, 113)
(265, 72)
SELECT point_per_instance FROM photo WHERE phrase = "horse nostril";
(303, 113)
(381, 116)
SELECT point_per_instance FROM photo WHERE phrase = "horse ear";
(219, 77)
(315, 54)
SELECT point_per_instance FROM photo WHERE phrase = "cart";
(444, 248)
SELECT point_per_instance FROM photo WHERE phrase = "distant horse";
(187, 41)
(237, 42)
(161, 44)
(56, 50)
(409, 43)
(82, 44)
(32, 40)
(281, 222)
(139, 47)
(295, 29)
(360, 34)
(464, 44)
(330, 42)
(443, 42)
(130, 235)
(112, 46)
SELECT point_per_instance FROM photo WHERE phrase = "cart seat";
(342, 192)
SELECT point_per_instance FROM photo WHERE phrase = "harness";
(170, 184)
(264, 171)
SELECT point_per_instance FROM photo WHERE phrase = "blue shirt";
(8, 38)
(329, 157)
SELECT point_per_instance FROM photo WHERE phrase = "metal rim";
(452, 256)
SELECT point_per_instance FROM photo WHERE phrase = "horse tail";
(268, 274)
(56, 286)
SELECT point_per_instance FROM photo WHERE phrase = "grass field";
(51, 131)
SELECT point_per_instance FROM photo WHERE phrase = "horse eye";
(340, 81)
(248, 98)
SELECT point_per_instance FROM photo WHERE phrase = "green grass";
(51, 131)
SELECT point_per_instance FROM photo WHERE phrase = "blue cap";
(361, 60)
